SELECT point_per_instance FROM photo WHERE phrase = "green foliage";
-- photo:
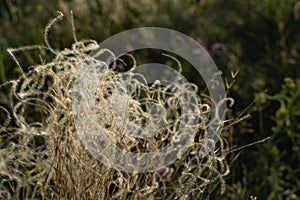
(274, 170)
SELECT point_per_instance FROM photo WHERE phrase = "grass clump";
(43, 157)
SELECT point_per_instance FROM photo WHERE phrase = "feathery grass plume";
(42, 157)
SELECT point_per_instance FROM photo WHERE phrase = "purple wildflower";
(129, 48)
(198, 1)
(162, 170)
(197, 52)
(200, 42)
(120, 66)
(206, 192)
(179, 38)
(134, 161)
(189, 196)
(217, 46)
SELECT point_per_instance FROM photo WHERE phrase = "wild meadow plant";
(43, 157)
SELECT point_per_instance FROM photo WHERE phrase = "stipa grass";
(42, 157)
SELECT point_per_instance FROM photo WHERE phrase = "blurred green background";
(260, 38)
